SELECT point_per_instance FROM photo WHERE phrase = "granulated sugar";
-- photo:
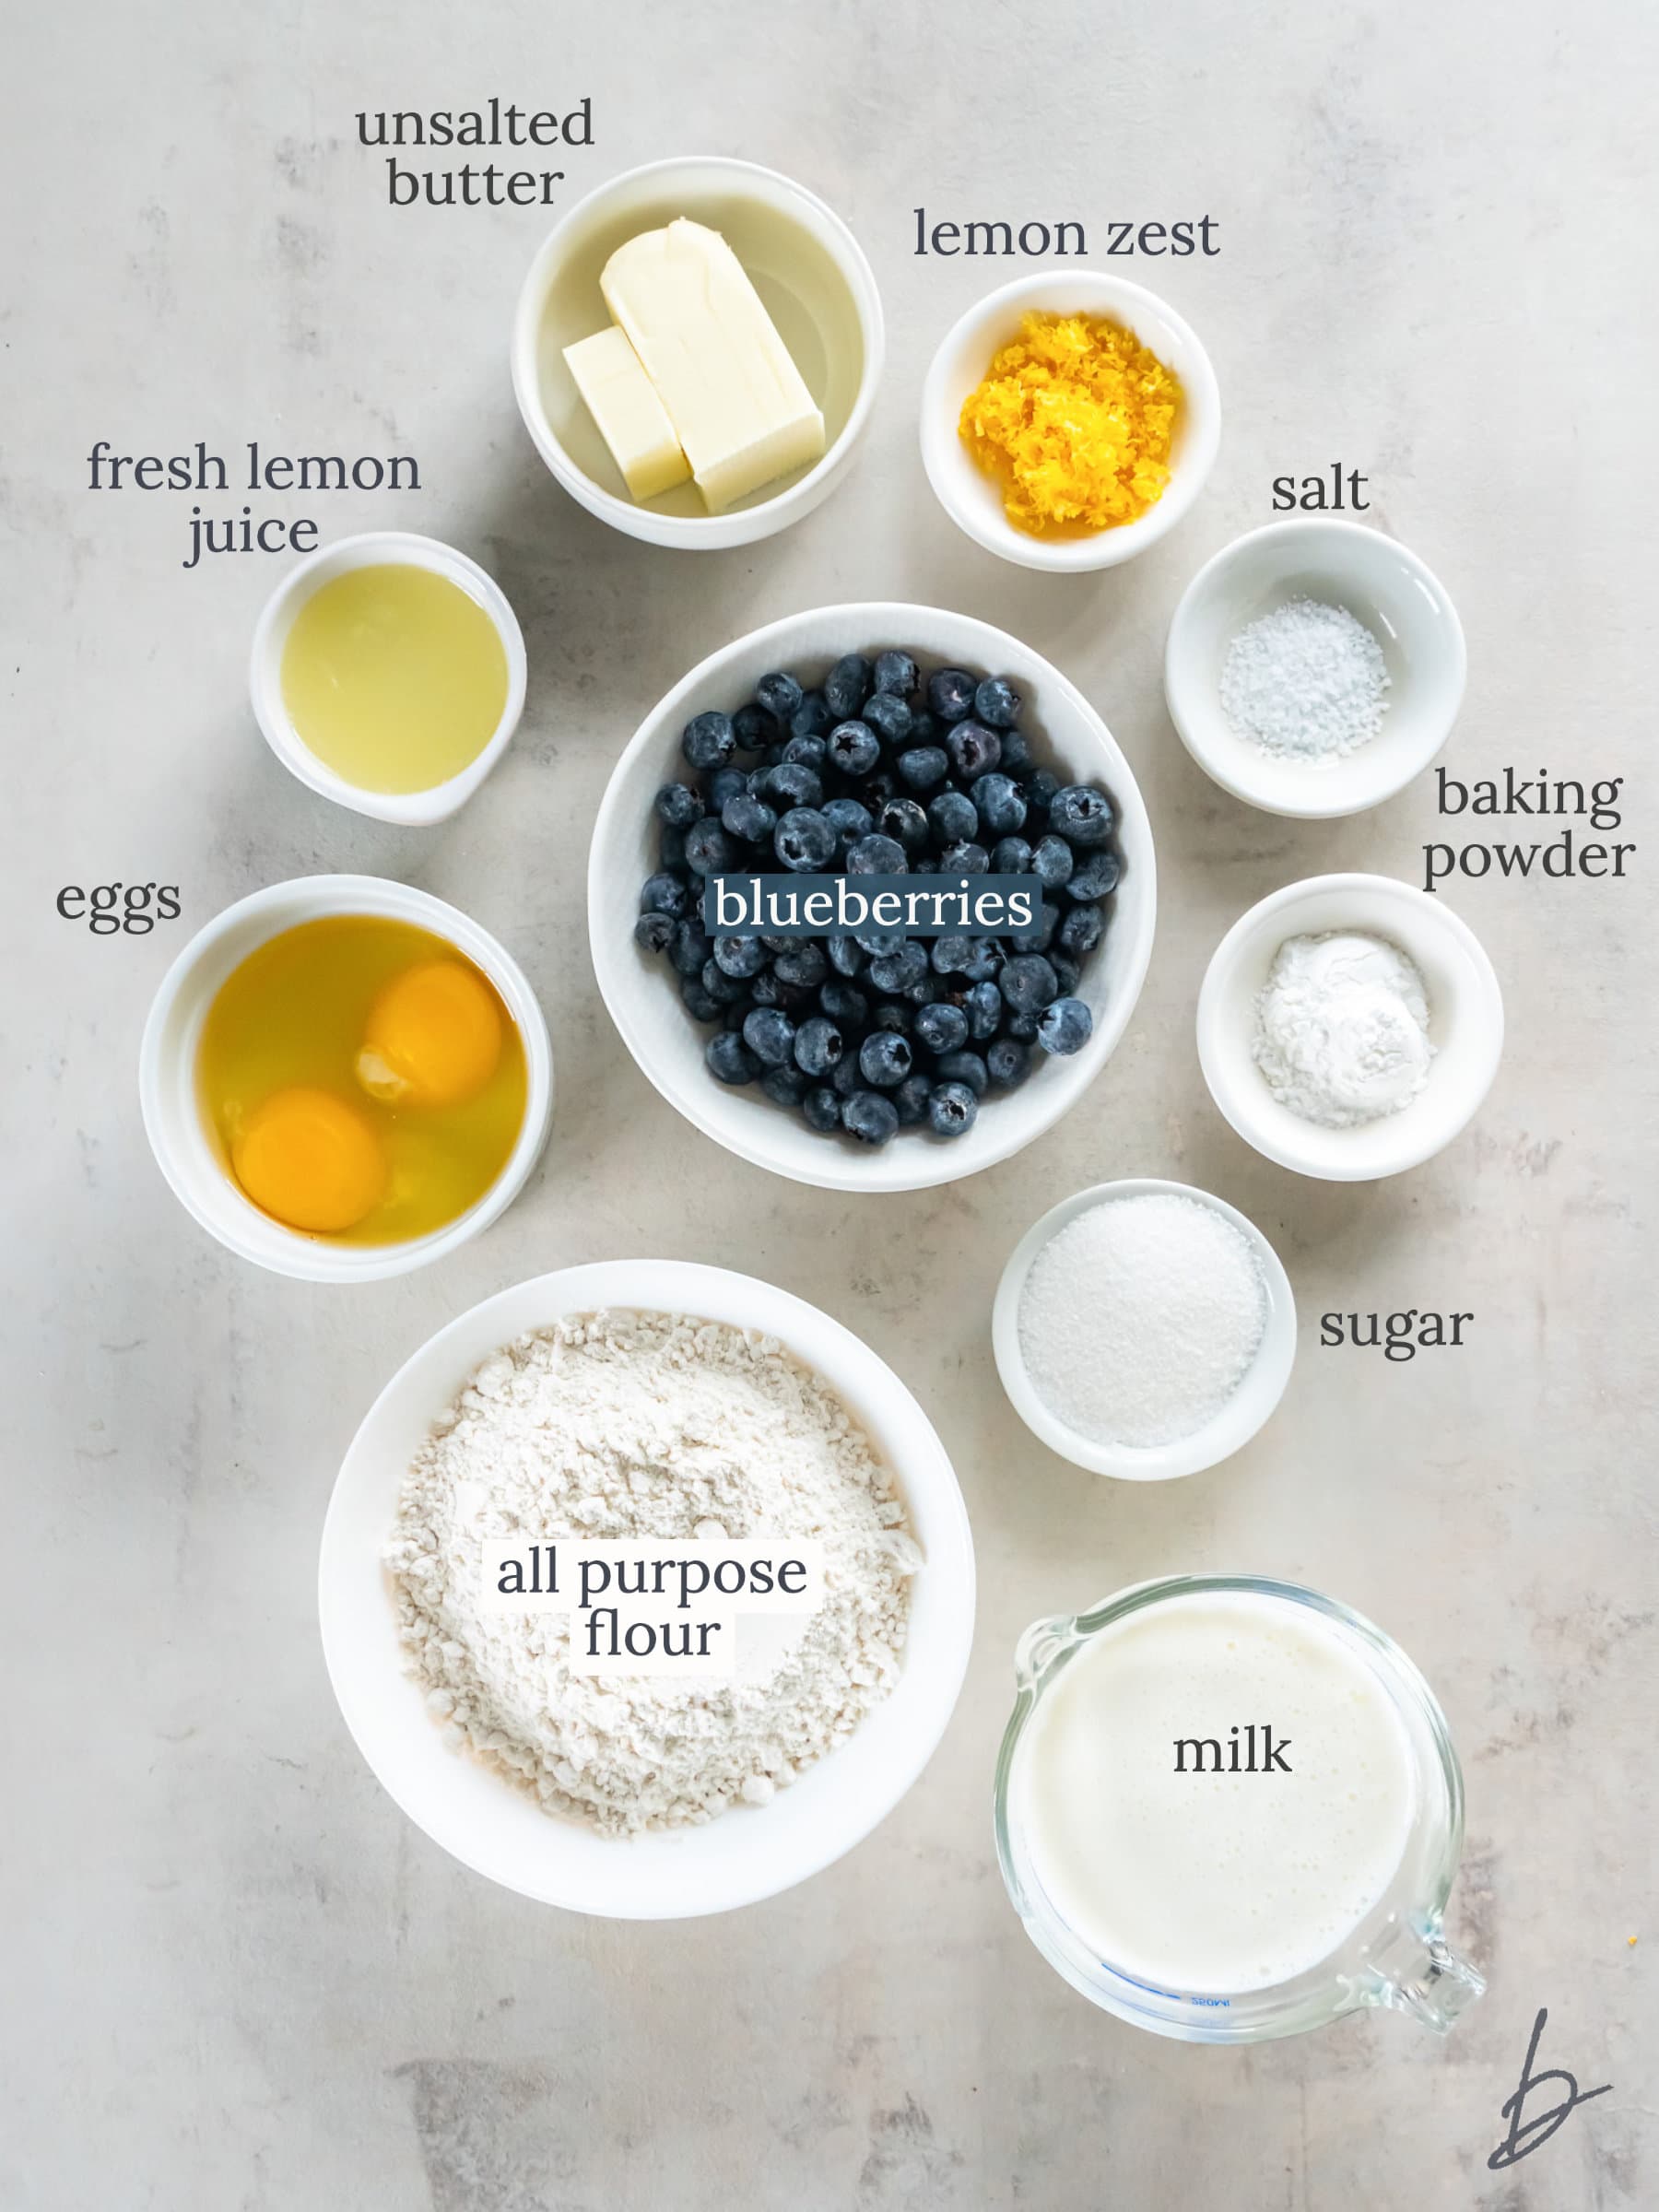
(1141, 1317)
(1305, 683)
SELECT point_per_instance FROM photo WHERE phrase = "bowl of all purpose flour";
(1144, 1329)
(652, 1401)
(1314, 667)
(1350, 1027)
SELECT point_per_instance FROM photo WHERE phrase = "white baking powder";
(1305, 683)
(628, 1424)
(1342, 1029)
(1141, 1317)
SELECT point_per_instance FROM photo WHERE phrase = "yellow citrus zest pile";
(1076, 418)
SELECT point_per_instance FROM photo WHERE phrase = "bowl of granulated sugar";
(1144, 1329)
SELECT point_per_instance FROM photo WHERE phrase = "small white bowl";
(748, 1853)
(641, 991)
(813, 280)
(974, 500)
(375, 548)
(185, 1147)
(1246, 1412)
(1382, 585)
(1466, 1025)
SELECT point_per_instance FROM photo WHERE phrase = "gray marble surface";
(234, 1975)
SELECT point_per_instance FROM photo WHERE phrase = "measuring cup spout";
(1435, 1986)
(1040, 1644)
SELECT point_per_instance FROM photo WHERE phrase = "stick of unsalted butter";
(623, 401)
(736, 398)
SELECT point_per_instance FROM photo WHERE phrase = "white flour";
(1342, 1029)
(627, 1424)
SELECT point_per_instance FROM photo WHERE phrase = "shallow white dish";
(641, 991)
(1246, 1412)
(1465, 1025)
(974, 500)
(813, 280)
(748, 1853)
(374, 548)
(1382, 584)
(186, 1148)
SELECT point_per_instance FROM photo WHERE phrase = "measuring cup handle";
(1435, 1987)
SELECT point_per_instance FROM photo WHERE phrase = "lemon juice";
(394, 678)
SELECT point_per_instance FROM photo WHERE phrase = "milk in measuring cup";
(1212, 1882)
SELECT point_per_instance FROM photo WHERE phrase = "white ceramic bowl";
(1381, 584)
(641, 991)
(186, 1148)
(747, 1853)
(1465, 1025)
(813, 280)
(974, 500)
(1246, 1412)
(375, 548)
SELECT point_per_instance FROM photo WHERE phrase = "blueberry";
(779, 944)
(966, 859)
(974, 750)
(997, 703)
(724, 989)
(1011, 856)
(779, 694)
(803, 839)
(925, 728)
(709, 740)
(871, 1119)
(1082, 930)
(792, 784)
(818, 1045)
(896, 971)
(768, 989)
(653, 932)
(739, 955)
(1065, 1026)
(664, 894)
(847, 686)
(1097, 878)
(952, 816)
(1001, 808)
(888, 717)
(1053, 863)
(753, 729)
(884, 1058)
(904, 822)
(806, 752)
(952, 956)
(942, 1029)
(1041, 787)
(963, 1067)
(678, 805)
(952, 1109)
(844, 1005)
(876, 855)
(699, 1005)
(729, 1059)
(1016, 752)
(1040, 934)
(1068, 973)
(881, 786)
(892, 1018)
(853, 748)
(983, 1007)
(709, 851)
(847, 955)
(1008, 1063)
(750, 818)
(986, 959)
(846, 1078)
(924, 767)
(924, 990)
(812, 717)
(878, 943)
(897, 674)
(911, 1100)
(849, 819)
(822, 1108)
(950, 693)
(770, 1035)
(1024, 1027)
(689, 946)
(1028, 983)
(1081, 815)
(802, 963)
(724, 785)
(785, 1086)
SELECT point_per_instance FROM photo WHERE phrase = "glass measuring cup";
(1396, 1957)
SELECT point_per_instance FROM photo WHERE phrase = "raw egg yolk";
(433, 1037)
(311, 1160)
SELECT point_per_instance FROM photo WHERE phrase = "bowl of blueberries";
(885, 741)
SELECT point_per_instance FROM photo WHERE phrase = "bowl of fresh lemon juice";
(388, 674)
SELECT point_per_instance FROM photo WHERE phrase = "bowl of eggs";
(343, 1078)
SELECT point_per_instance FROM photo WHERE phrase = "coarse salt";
(1305, 683)
(1141, 1317)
